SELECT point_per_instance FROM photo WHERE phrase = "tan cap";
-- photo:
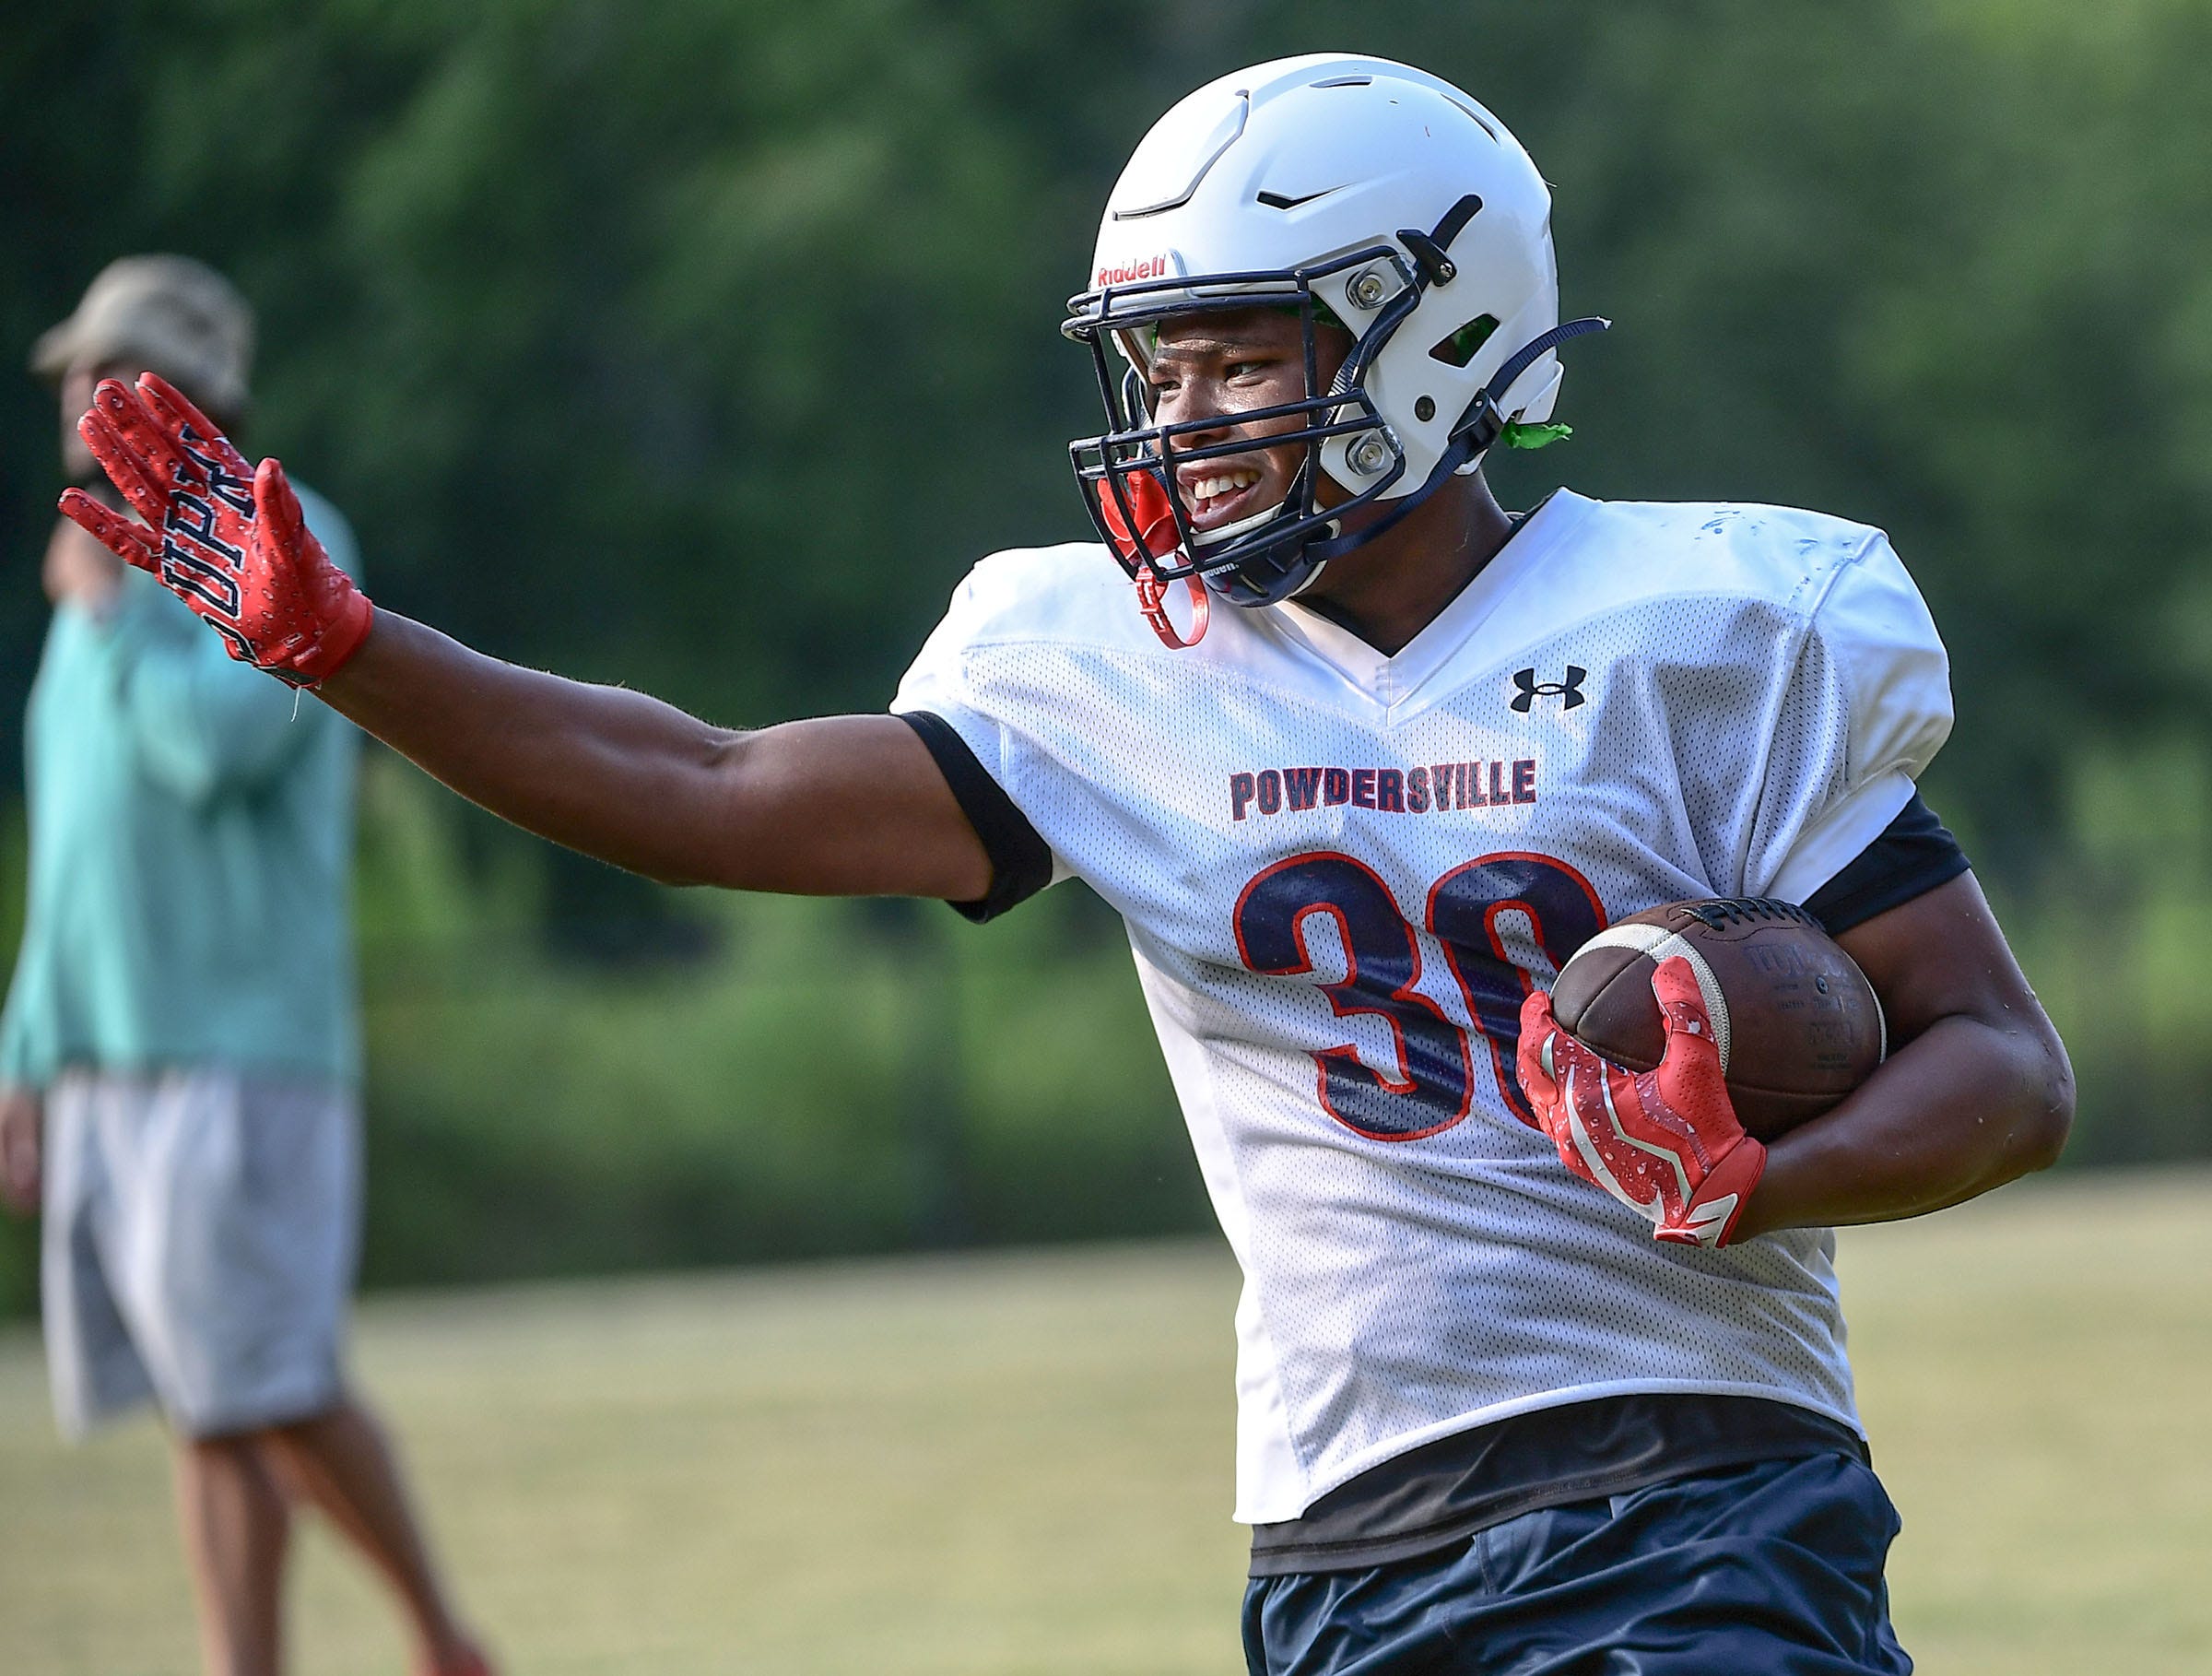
(167, 314)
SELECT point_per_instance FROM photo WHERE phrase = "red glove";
(1665, 1142)
(229, 541)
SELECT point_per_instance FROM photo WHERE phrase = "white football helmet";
(1352, 191)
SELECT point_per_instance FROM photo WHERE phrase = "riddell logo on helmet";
(1151, 267)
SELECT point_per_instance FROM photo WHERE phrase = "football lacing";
(1717, 914)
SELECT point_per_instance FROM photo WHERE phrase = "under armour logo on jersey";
(1570, 691)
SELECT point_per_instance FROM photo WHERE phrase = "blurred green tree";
(703, 345)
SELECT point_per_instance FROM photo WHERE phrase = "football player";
(1362, 759)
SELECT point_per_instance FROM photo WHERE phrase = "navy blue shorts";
(1774, 1568)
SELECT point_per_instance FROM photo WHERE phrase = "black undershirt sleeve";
(1021, 862)
(1914, 854)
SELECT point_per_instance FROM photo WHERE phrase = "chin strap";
(1482, 423)
(1481, 427)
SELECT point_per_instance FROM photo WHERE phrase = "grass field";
(1019, 1463)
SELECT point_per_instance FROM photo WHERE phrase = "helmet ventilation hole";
(1476, 116)
(1424, 409)
(1460, 347)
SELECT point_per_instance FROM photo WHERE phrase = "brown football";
(1797, 1022)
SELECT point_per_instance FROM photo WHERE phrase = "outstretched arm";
(843, 805)
(849, 806)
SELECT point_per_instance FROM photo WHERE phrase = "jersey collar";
(1388, 681)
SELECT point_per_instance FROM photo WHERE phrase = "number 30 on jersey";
(1435, 1085)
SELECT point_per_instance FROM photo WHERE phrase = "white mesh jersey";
(1340, 871)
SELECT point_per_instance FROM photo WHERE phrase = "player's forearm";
(612, 773)
(1967, 1105)
(849, 806)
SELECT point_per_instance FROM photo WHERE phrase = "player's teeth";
(1210, 487)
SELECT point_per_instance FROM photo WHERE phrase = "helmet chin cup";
(1269, 578)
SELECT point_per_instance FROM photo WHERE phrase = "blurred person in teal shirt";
(180, 1055)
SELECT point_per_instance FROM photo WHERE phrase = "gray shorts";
(201, 1232)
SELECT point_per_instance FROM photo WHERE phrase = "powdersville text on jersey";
(1392, 791)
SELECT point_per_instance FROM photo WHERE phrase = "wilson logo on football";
(1149, 267)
